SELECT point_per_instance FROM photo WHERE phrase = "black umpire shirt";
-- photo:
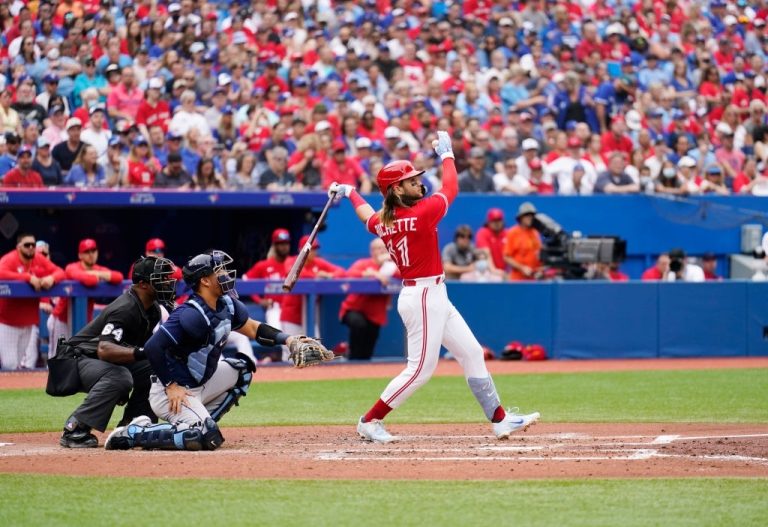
(123, 322)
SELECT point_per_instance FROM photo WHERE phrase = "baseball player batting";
(407, 223)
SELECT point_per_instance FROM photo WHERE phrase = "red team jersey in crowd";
(149, 115)
(268, 269)
(292, 306)
(494, 242)
(76, 271)
(20, 312)
(412, 238)
(374, 307)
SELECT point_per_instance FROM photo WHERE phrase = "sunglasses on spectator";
(464, 236)
(28, 245)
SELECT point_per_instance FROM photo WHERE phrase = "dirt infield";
(451, 452)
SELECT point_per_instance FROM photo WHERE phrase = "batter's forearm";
(363, 210)
(450, 187)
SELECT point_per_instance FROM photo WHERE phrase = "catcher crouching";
(194, 384)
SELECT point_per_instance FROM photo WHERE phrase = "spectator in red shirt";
(22, 174)
(90, 274)
(365, 314)
(615, 139)
(292, 306)
(153, 110)
(491, 237)
(709, 264)
(659, 269)
(272, 268)
(142, 165)
(344, 170)
(20, 317)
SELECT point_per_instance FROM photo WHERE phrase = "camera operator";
(681, 270)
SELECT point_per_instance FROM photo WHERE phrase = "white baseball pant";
(14, 346)
(201, 401)
(431, 320)
(56, 329)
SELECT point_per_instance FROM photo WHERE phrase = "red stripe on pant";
(423, 348)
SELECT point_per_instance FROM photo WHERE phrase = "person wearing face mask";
(668, 181)
(483, 271)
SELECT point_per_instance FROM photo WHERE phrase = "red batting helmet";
(513, 351)
(488, 353)
(534, 352)
(395, 172)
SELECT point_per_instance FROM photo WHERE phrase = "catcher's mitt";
(306, 351)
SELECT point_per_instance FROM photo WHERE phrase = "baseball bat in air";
(301, 259)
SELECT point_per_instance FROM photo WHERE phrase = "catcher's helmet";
(215, 262)
(395, 172)
(158, 272)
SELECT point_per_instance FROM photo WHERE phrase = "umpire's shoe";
(77, 435)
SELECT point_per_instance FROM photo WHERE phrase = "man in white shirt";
(562, 169)
(682, 271)
(95, 134)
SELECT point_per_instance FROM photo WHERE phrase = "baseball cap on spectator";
(173, 136)
(655, 113)
(713, 169)
(571, 125)
(678, 114)
(574, 142)
(12, 137)
(154, 245)
(196, 47)
(42, 142)
(505, 22)
(401, 145)
(140, 140)
(530, 144)
(526, 208)
(362, 142)
(209, 56)
(227, 109)
(114, 141)
(549, 125)
(494, 215)
(56, 108)
(51, 78)
(180, 83)
(476, 151)
(686, 161)
(304, 239)
(535, 164)
(96, 108)
(300, 82)
(392, 132)
(558, 77)
(708, 257)
(281, 236)
(112, 68)
(224, 79)
(614, 29)
(526, 116)
(495, 120)
(174, 157)
(723, 128)
(322, 126)
(174, 7)
(72, 122)
(156, 83)
(291, 16)
(338, 146)
(24, 150)
(87, 244)
(730, 20)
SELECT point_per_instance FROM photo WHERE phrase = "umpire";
(111, 357)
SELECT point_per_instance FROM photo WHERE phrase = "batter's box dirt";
(455, 452)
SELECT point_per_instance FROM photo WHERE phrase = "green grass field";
(729, 396)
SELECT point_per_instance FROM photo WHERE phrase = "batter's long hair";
(387, 212)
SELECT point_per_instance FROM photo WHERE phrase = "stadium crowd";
(541, 96)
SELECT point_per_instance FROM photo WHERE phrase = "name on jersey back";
(398, 226)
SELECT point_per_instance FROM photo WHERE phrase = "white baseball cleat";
(514, 422)
(374, 431)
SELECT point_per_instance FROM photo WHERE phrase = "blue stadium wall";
(572, 319)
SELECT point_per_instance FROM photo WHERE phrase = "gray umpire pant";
(108, 385)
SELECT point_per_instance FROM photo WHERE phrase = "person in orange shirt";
(86, 271)
(522, 245)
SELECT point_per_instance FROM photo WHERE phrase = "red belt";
(409, 282)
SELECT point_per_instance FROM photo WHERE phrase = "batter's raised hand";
(443, 145)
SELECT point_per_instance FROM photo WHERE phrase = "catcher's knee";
(245, 369)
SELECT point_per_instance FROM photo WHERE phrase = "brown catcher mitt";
(306, 351)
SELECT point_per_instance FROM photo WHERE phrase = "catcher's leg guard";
(168, 437)
(245, 369)
(212, 438)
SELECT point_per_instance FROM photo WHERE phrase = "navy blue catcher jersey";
(187, 347)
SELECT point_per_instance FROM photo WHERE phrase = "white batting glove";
(338, 190)
(443, 145)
